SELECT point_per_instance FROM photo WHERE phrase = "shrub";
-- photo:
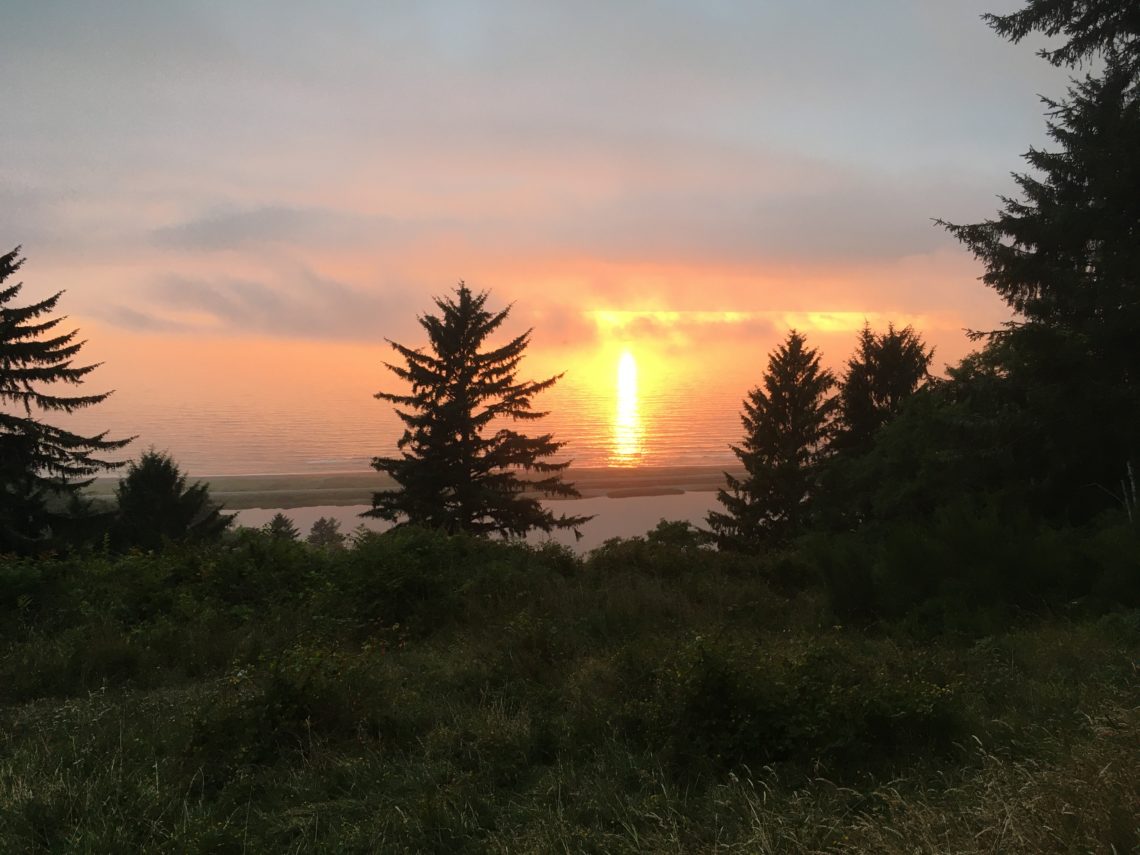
(974, 566)
(156, 507)
(725, 703)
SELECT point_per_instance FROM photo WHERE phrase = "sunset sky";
(284, 184)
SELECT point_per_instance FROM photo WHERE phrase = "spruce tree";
(42, 467)
(787, 427)
(282, 527)
(463, 466)
(325, 533)
(157, 507)
(1065, 256)
(1090, 28)
(886, 369)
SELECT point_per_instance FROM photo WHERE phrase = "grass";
(423, 694)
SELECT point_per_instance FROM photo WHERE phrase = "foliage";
(263, 695)
(974, 566)
(964, 678)
(1090, 27)
(157, 508)
(460, 463)
(42, 467)
(885, 371)
(787, 426)
(325, 533)
(969, 436)
(728, 704)
(280, 527)
(1064, 257)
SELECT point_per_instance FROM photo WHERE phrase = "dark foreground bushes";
(975, 566)
(422, 693)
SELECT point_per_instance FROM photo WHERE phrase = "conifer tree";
(463, 466)
(886, 369)
(156, 507)
(787, 427)
(282, 528)
(1065, 256)
(325, 533)
(42, 467)
(1089, 28)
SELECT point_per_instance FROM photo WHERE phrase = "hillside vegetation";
(418, 692)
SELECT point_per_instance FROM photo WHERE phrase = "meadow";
(423, 693)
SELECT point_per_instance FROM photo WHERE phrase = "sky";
(209, 178)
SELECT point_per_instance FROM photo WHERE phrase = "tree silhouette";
(886, 369)
(462, 466)
(1065, 257)
(1089, 27)
(787, 426)
(42, 467)
(156, 507)
(282, 528)
(326, 534)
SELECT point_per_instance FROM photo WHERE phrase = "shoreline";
(301, 490)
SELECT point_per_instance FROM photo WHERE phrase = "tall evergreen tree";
(462, 466)
(326, 534)
(282, 528)
(42, 467)
(886, 369)
(156, 507)
(1065, 256)
(787, 428)
(1089, 28)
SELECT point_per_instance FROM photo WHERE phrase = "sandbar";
(305, 490)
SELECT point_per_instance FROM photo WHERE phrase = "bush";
(975, 566)
(157, 508)
(725, 703)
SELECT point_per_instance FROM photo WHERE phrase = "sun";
(627, 381)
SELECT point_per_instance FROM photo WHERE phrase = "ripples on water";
(333, 431)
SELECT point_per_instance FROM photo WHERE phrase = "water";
(613, 517)
(253, 421)
(646, 397)
(223, 408)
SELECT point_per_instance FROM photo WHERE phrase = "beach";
(623, 501)
(307, 490)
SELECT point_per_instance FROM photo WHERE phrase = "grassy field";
(424, 694)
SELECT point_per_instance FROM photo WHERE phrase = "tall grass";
(420, 693)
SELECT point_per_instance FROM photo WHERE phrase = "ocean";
(246, 424)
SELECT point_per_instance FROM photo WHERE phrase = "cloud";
(139, 321)
(858, 217)
(29, 216)
(683, 328)
(250, 228)
(762, 154)
(557, 324)
(303, 304)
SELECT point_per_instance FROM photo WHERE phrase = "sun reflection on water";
(629, 432)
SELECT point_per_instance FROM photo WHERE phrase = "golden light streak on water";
(629, 432)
